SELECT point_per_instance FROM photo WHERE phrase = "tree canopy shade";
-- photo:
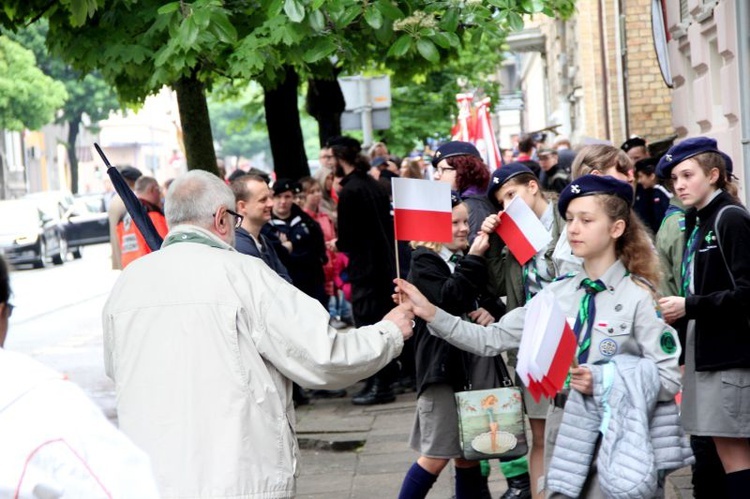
(88, 93)
(141, 45)
(28, 98)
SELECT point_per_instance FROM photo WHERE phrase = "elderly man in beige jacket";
(203, 344)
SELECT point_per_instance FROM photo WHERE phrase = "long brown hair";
(634, 247)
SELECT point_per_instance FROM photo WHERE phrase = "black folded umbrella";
(137, 211)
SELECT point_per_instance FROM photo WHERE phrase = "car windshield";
(19, 217)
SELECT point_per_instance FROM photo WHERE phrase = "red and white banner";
(465, 128)
(486, 141)
(422, 210)
(548, 346)
(522, 231)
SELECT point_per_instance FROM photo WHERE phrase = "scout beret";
(503, 174)
(284, 184)
(686, 150)
(589, 185)
(632, 142)
(454, 148)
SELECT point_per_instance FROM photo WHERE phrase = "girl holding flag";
(453, 280)
(714, 298)
(521, 282)
(611, 300)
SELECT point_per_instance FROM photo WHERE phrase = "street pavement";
(360, 452)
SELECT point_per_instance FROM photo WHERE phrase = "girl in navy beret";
(611, 303)
(455, 280)
(715, 299)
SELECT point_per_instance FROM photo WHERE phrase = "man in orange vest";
(131, 241)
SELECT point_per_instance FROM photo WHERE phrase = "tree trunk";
(74, 127)
(196, 124)
(325, 103)
(284, 130)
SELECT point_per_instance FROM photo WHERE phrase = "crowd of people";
(645, 259)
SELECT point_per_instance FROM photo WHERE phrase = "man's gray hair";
(194, 197)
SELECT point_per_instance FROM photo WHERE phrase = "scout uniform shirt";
(627, 320)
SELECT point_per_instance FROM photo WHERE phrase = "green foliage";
(425, 105)
(28, 98)
(87, 93)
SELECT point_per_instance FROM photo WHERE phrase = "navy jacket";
(245, 244)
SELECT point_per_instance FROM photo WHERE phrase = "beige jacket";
(203, 344)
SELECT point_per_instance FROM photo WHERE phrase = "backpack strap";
(718, 239)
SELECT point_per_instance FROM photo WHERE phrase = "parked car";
(28, 235)
(86, 222)
(84, 219)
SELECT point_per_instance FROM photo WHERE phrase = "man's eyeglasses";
(443, 169)
(237, 218)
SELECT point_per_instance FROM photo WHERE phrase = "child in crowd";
(612, 298)
(715, 292)
(454, 280)
(523, 282)
(654, 197)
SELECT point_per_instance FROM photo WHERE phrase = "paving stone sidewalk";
(359, 452)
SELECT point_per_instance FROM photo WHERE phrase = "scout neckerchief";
(586, 315)
(530, 276)
(686, 270)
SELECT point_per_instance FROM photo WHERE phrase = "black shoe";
(366, 388)
(519, 487)
(328, 394)
(376, 395)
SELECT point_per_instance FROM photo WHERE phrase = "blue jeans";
(338, 307)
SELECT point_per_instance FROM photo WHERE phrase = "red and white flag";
(486, 141)
(422, 210)
(522, 231)
(548, 346)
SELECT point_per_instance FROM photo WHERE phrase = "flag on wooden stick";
(422, 210)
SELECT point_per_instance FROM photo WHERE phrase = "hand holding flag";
(522, 231)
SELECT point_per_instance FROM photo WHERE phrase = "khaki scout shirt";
(627, 321)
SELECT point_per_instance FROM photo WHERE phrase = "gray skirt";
(714, 403)
(435, 431)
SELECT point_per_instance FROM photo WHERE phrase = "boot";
(379, 393)
(519, 487)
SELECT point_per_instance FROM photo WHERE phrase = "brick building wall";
(605, 96)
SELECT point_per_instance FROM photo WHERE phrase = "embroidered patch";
(668, 343)
(710, 237)
(575, 189)
(608, 347)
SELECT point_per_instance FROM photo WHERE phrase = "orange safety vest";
(132, 243)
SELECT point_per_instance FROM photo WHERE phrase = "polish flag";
(486, 141)
(547, 349)
(522, 231)
(422, 210)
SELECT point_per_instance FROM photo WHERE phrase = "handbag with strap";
(491, 422)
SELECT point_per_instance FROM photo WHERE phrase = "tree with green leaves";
(28, 98)
(141, 45)
(88, 94)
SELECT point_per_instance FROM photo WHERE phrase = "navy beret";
(454, 148)
(633, 142)
(455, 199)
(503, 174)
(686, 150)
(284, 184)
(589, 185)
